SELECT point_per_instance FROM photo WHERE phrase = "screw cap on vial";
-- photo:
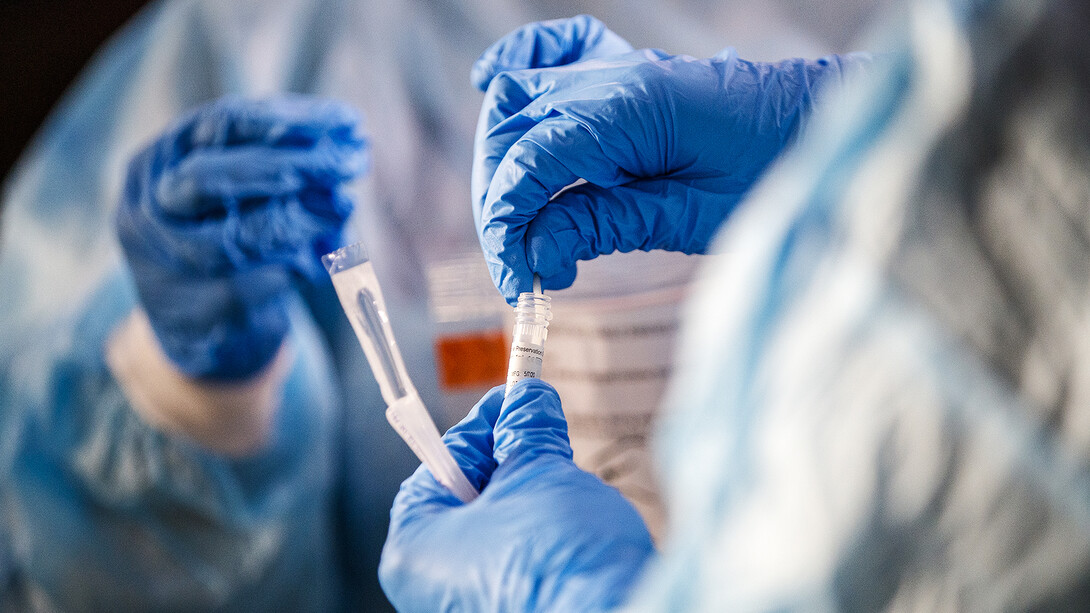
(533, 309)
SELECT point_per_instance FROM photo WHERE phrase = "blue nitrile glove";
(544, 44)
(668, 146)
(543, 535)
(219, 212)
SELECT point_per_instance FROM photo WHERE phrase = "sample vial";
(532, 315)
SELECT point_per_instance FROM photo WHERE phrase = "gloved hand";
(544, 44)
(667, 145)
(543, 535)
(220, 212)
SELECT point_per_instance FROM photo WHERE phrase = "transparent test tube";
(359, 293)
(532, 316)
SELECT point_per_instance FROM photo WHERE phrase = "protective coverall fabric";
(106, 512)
(883, 401)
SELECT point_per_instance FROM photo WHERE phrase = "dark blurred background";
(43, 46)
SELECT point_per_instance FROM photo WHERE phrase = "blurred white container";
(610, 356)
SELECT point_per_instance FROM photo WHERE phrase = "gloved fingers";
(291, 121)
(203, 181)
(587, 221)
(490, 147)
(553, 149)
(545, 44)
(530, 426)
(193, 332)
(279, 231)
(283, 230)
(513, 106)
(470, 441)
(504, 111)
(546, 159)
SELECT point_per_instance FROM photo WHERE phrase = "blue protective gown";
(885, 388)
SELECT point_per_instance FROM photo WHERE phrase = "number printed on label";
(525, 362)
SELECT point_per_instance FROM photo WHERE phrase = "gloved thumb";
(531, 424)
(545, 44)
(470, 441)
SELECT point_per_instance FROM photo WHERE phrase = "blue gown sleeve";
(98, 510)
(105, 512)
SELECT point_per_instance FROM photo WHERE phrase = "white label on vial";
(525, 361)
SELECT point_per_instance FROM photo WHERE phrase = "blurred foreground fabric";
(884, 399)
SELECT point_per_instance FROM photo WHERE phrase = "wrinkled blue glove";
(543, 536)
(667, 145)
(221, 211)
(544, 44)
